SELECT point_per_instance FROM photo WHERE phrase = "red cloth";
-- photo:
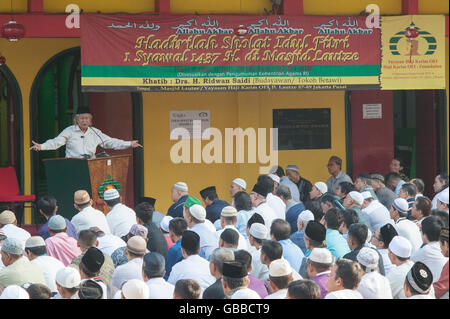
(169, 242)
(441, 286)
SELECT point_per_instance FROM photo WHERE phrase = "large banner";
(413, 52)
(226, 52)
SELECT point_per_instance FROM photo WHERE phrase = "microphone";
(102, 153)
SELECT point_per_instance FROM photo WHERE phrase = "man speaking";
(82, 139)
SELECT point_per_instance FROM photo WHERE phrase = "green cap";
(191, 201)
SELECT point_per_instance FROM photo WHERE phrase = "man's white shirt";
(120, 219)
(242, 241)
(267, 213)
(160, 289)
(208, 237)
(131, 270)
(193, 267)
(12, 231)
(109, 243)
(79, 143)
(277, 204)
(49, 266)
(90, 217)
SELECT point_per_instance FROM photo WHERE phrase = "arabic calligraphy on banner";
(413, 52)
(217, 53)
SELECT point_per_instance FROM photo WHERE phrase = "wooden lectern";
(67, 175)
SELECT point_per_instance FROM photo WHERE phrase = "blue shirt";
(214, 210)
(292, 253)
(298, 239)
(176, 210)
(174, 255)
(336, 243)
(292, 215)
(43, 231)
(242, 219)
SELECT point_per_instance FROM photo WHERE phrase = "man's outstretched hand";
(36, 146)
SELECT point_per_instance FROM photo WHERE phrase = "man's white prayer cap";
(110, 194)
(181, 186)
(165, 223)
(368, 257)
(68, 277)
(321, 255)
(401, 205)
(322, 187)
(240, 182)
(34, 241)
(198, 211)
(401, 247)
(135, 289)
(258, 230)
(443, 196)
(358, 197)
(14, 292)
(306, 216)
(275, 178)
(280, 267)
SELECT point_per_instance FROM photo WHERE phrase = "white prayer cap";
(258, 230)
(275, 178)
(366, 195)
(165, 223)
(68, 277)
(198, 212)
(321, 255)
(443, 196)
(34, 241)
(368, 257)
(14, 292)
(358, 197)
(306, 216)
(110, 194)
(240, 182)
(135, 289)
(181, 186)
(245, 294)
(401, 247)
(280, 267)
(229, 211)
(322, 187)
(401, 205)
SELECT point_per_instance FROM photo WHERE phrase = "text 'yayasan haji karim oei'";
(189, 53)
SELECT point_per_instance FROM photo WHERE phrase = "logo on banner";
(413, 41)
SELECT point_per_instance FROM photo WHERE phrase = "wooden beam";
(293, 7)
(35, 6)
(43, 25)
(410, 6)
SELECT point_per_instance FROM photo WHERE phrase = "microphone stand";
(102, 153)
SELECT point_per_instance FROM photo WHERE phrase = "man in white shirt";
(399, 253)
(405, 227)
(378, 214)
(192, 266)
(37, 254)
(195, 216)
(228, 218)
(430, 254)
(258, 198)
(280, 275)
(153, 270)
(418, 282)
(275, 202)
(120, 218)
(108, 243)
(8, 225)
(373, 285)
(257, 233)
(135, 251)
(81, 139)
(88, 216)
(344, 280)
